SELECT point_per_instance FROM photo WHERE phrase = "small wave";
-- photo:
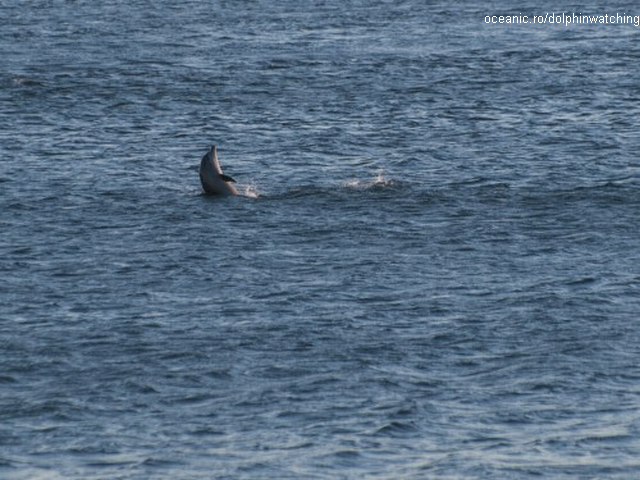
(7, 379)
(24, 81)
(396, 428)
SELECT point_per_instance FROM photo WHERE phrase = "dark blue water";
(433, 270)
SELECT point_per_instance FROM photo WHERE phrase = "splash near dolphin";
(214, 182)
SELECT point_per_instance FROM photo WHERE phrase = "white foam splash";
(250, 191)
(379, 180)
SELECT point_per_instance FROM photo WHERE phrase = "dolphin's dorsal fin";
(227, 178)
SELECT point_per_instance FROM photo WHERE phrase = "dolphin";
(214, 182)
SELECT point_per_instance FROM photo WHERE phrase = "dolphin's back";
(211, 177)
(206, 173)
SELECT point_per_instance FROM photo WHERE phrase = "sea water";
(432, 270)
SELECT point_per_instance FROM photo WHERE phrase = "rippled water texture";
(432, 270)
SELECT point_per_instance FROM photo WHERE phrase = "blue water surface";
(432, 270)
